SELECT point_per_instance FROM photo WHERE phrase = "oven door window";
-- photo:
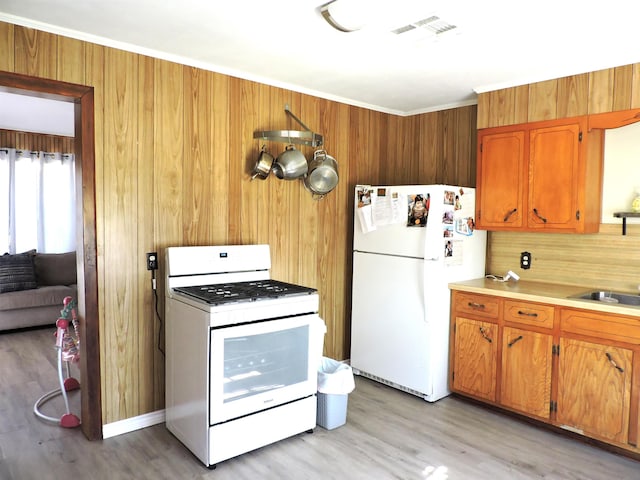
(255, 364)
(261, 365)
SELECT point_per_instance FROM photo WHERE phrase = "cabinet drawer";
(527, 313)
(601, 325)
(481, 305)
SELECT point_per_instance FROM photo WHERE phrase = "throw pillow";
(17, 273)
(55, 268)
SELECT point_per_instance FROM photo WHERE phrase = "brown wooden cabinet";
(491, 342)
(554, 171)
(594, 389)
(574, 368)
(500, 179)
(475, 358)
(526, 371)
(474, 344)
(541, 176)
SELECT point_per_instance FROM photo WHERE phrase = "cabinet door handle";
(535, 210)
(483, 332)
(527, 314)
(514, 341)
(613, 362)
(476, 305)
(508, 215)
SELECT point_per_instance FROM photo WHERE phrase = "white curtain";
(37, 208)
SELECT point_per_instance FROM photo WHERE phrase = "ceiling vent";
(433, 25)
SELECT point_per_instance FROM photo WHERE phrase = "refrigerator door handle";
(428, 257)
(425, 317)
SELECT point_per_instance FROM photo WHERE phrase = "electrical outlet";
(525, 260)
(152, 261)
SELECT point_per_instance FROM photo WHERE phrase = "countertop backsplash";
(605, 260)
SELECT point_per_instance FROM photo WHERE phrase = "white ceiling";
(286, 43)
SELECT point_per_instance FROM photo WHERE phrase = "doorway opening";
(83, 99)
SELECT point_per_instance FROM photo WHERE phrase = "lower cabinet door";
(526, 371)
(475, 358)
(594, 389)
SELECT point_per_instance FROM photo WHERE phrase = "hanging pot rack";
(306, 137)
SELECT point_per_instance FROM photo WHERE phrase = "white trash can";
(335, 382)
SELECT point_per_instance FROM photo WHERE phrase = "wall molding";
(132, 424)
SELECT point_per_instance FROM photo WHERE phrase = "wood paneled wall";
(174, 150)
(599, 260)
(36, 141)
(595, 92)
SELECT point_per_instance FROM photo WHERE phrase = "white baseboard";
(132, 424)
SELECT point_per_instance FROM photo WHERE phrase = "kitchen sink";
(608, 296)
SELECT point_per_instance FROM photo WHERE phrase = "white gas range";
(242, 351)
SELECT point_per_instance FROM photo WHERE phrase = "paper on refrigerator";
(378, 207)
(364, 210)
(365, 219)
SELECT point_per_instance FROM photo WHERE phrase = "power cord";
(155, 294)
(495, 278)
(506, 278)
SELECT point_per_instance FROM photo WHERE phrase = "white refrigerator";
(409, 242)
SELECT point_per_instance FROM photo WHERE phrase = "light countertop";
(542, 292)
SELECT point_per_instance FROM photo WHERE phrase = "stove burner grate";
(222, 293)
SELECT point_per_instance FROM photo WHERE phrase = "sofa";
(33, 286)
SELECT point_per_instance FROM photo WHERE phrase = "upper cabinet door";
(554, 173)
(501, 163)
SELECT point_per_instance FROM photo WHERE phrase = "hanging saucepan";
(263, 165)
(290, 164)
(322, 176)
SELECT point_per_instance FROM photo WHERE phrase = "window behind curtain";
(37, 209)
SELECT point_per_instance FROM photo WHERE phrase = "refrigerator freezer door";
(389, 335)
(396, 238)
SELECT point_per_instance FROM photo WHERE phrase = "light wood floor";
(388, 435)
